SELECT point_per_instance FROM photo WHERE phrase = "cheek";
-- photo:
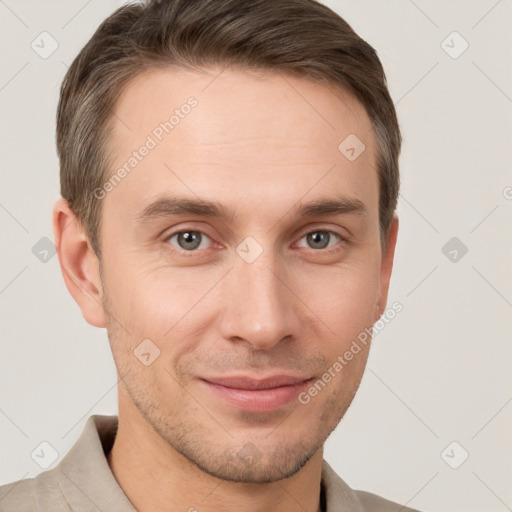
(344, 298)
(157, 302)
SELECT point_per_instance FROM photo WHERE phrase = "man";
(229, 177)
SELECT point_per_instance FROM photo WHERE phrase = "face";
(243, 301)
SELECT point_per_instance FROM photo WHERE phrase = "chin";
(255, 468)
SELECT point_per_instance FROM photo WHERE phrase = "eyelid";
(343, 233)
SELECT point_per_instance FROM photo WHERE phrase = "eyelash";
(192, 253)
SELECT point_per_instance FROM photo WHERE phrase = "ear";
(79, 264)
(386, 267)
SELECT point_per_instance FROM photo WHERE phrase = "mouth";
(256, 395)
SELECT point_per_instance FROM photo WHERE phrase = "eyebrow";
(167, 206)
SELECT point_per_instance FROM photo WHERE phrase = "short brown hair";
(301, 37)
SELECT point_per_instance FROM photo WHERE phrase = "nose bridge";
(259, 308)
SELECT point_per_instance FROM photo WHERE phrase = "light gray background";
(438, 373)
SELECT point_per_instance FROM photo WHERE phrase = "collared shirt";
(84, 482)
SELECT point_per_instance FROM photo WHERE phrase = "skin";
(261, 144)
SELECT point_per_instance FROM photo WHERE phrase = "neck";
(154, 476)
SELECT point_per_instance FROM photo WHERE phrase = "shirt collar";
(84, 474)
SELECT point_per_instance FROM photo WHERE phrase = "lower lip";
(257, 400)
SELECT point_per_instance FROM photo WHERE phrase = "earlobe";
(79, 264)
(387, 266)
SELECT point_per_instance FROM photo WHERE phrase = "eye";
(189, 240)
(320, 239)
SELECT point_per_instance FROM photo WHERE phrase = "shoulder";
(17, 496)
(41, 493)
(373, 503)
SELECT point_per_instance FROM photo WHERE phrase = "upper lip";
(244, 382)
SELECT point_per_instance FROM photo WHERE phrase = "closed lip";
(252, 383)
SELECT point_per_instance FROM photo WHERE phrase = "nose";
(259, 306)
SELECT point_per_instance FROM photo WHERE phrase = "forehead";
(237, 134)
